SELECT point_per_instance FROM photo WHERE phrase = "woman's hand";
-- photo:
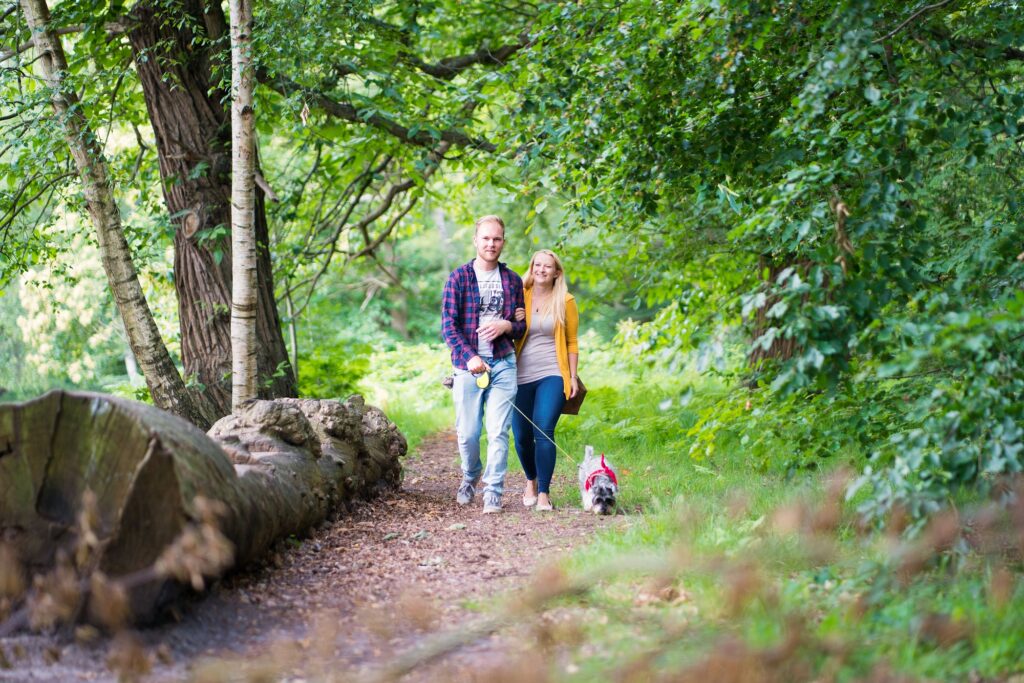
(520, 315)
(488, 332)
(575, 387)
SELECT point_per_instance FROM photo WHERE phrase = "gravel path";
(351, 596)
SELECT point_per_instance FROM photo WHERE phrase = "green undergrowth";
(406, 384)
(772, 557)
(761, 564)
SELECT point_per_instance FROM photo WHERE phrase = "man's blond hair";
(489, 218)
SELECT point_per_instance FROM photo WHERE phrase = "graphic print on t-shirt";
(492, 301)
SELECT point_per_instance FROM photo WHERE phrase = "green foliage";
(832, 186)
(406, 383)
(745, 580)
(334, 372)
(822, 199)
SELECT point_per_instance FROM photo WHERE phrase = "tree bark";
(192, 137)
(165, 384)
(243, 190)
(279, 467)
(781, 349)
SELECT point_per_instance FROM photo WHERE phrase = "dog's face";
(602, 492)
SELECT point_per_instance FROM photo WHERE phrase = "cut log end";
(277, 467)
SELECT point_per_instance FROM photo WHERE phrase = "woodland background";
(795, 230)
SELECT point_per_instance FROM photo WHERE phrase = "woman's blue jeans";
(542, 401)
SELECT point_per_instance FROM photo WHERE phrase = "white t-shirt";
(492, 302)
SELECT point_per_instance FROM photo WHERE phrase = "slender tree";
(165, 384)
(175, 58)
(243, 191)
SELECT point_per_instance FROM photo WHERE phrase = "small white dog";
(598, 484)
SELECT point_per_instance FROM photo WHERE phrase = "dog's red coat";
(603, 469)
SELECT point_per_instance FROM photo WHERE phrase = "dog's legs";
(588, 501)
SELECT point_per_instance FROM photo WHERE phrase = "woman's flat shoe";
(529, 501)
(544, 507)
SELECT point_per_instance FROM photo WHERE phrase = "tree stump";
(279, 467)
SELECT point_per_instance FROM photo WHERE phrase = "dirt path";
(355, 593)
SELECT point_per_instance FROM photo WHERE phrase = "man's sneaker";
(492, 503)
(467, 489)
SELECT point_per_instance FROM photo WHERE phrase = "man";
(477, 322)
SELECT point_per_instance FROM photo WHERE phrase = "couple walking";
(512, 342)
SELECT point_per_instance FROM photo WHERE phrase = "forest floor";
(377, 582)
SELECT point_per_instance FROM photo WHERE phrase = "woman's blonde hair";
(555, 305)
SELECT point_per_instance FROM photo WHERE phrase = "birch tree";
(165, 383)
(243, 236)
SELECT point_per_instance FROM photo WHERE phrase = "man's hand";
(520, 315)
(476, 365)
(492, 330)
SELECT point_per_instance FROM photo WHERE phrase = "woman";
(546, 358)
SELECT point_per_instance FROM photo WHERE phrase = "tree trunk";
(293, 334)
(781, 349)
(398, 301)
(192, 137)
(165, 384)
(243, 190)
(279, 467)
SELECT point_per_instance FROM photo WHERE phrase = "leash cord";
(512, 403)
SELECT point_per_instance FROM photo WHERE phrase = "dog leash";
(484, 379)
(512, 403)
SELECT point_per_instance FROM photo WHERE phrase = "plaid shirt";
(460, 313)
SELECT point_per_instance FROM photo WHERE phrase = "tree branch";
(915, 15)
(371, 244)
(262, 183)
(8, 218)
(111, 27)
(450, 67)
(394, 191)
(346, 111)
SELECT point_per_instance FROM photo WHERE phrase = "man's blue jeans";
(542, 401)
(491, 408)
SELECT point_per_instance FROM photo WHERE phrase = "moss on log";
(279, 467)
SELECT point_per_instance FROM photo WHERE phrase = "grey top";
(491, 300)
(538, 359)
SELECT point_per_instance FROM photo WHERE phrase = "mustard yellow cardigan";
(565, 336)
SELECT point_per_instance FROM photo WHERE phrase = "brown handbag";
(572, 405)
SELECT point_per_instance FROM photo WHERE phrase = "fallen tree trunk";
(279, 467)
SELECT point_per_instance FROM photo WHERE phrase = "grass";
(721, 517)
(742, 581)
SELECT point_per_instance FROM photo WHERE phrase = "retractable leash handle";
(483, 378)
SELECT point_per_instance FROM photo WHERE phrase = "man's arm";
(450, 317)
(519, 301)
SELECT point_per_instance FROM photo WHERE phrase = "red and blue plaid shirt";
(460, 313)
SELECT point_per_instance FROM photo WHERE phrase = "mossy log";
(279, 467)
